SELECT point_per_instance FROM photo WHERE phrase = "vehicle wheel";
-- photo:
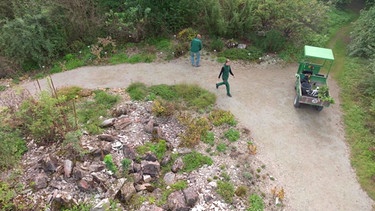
(296, 102)
(319, 108)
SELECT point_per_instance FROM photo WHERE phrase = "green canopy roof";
(321, 53)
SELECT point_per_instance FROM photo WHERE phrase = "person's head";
(198, 36)
(227, 62)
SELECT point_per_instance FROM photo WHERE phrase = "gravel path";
(305, 149)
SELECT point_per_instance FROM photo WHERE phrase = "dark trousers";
(225, 82)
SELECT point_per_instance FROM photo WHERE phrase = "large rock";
(41, 181)
(103, 205)
(150, 168)
(127, 191)
(49, 163)
(177, 165)
(176, 201)
(191, 197)
(68, 168)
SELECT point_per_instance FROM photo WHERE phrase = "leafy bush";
(195, 160)
(220, 117)
(217, 45)
(159, 149)
(222, 147)
(232, 135)
(46, 120)
(72, 145)
(137, 91)
(273, 41)
(162, 108)
(208, 138)
(186, 35)
(12, 146)
(241, 54)
(196, 127)
(69, 92)
(256, 203)
(6, 197)
(195, 96)
(226, 190)
(105, 99)
(109, 163)
(323, 95)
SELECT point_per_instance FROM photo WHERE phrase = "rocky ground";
(55, 178)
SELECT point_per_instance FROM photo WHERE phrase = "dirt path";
(304, 148)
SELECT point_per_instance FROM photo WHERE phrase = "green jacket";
(225, 70)
(195, 45)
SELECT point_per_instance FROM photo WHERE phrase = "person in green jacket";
(195, 48)
(225, 71)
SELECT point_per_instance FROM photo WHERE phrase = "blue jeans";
(198, 55)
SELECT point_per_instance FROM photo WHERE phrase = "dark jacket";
(196, 45)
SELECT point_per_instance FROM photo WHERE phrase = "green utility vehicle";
(311, 78)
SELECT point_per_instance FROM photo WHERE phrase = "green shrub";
(273, 41)
(195, 160)
(196, 127)
(140, 58)
(186, 35)
(217, 45)
(195, 96)
(79, 207)
(163, 108)
(159, 149)
(125, 163)
(6, 197)
(208, 138)
(105, 99)
(12, 146)
(221, 147)
(256, 203)
(220, 117)
(137, 91)
(232, 135)
(46, 120)
(69, 92)
(109, 163)
(226, 190)
(240, 54)
(72, 144)
(241, 191)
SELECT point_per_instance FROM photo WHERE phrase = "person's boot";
(229, 95)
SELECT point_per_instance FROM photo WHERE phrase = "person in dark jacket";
(225, 71)
(195, 48)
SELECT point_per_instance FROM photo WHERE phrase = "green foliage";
(79, 207)
(195, 96)
(2, 88)
(12, 146)
(217, 45)
(208, 138)
(363, 35)
(45, 120)
(137, 91)
(196, 128)
(139, 58)
(359, 119)
(164, 91)
(241, 54)
(179, 185)
(89, 112)
(163, 108)
(187, 35)
(195, 160)
(159, 148)
(6, 197)
(221, 147)
(323, 94)
(69, 92)
(118, 58)
(241, 191)
(226, 190)
(109, 163)
(72, 144)
(256, 203)
(272, 41)
(220, 117)
(125, 163)
(232, 135)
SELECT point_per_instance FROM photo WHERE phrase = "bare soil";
(305, 149)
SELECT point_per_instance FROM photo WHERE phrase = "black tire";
(319, 108)
(296, 101)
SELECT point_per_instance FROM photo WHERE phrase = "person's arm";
(221, 72)
(230, 71)
(200, 45)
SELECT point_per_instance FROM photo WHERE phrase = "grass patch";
(232, 135)
(159, 149)
(226, 190)
(208, 138)
(220, 117)
(137, 91)
(256, 203)
(221, 147)
(118, 58)
(195, 160)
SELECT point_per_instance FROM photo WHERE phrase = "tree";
(363, 35)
